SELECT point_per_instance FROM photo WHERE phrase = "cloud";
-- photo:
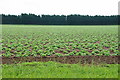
(90, 7)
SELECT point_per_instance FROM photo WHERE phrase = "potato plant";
(23, 41)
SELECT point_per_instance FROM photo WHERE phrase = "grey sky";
(83, 7)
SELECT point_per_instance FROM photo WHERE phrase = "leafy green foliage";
(26, 41)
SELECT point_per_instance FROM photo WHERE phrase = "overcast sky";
(83, 7)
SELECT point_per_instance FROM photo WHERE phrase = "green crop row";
(59, 40)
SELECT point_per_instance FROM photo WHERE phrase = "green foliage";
(43, 55)
(58, 54)
(61, 20)
(59, 40)
(71, 53)
(57, 70)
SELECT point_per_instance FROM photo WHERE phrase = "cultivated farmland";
(50, 41)
(65, 44)
(23, 41)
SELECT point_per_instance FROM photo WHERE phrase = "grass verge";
(58, 70)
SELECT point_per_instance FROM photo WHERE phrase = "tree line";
(59, 19)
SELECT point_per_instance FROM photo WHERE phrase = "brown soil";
(3, 51)
(57, 51)
(89, 50)
(65, 59)
(105, 48)
(97, 42)
(77, 50)
(12, 51)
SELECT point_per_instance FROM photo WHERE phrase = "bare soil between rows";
(65, 59)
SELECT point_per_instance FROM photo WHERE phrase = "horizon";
(57, 14)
